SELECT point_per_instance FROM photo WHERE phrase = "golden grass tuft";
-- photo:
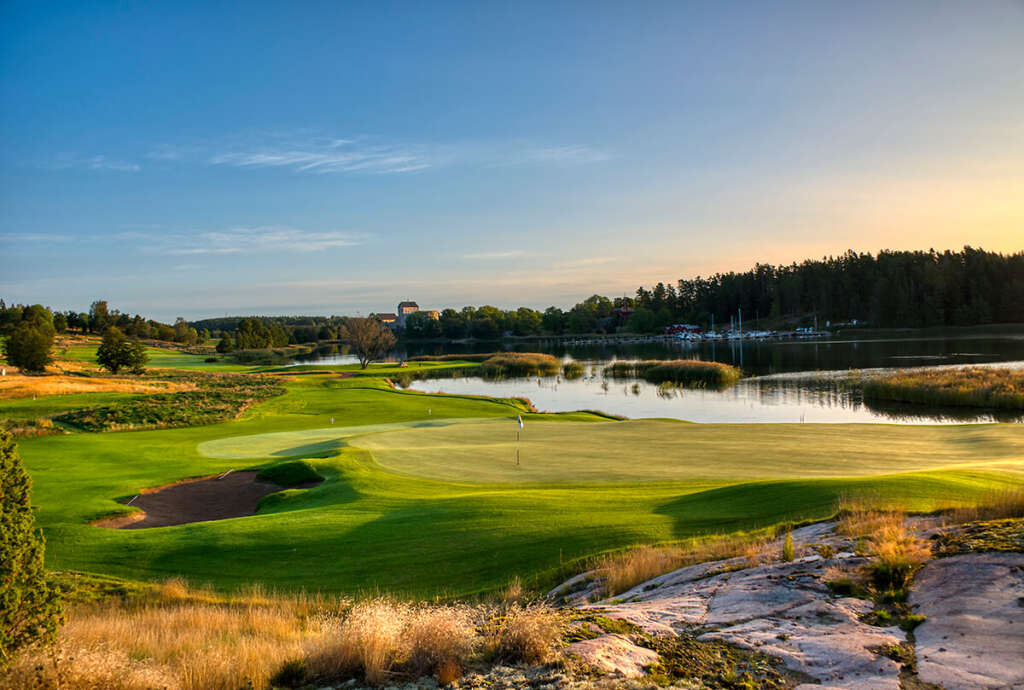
(525, 633)
(384, 639)
(624, 571)
(899, 553)
(864, 515)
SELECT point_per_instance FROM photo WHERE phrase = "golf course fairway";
(422, 496)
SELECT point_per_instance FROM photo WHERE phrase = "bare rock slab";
(973, 636)
(615, 655)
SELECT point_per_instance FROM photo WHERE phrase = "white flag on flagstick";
(519, 418)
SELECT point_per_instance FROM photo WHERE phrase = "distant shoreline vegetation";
(692, 373)
(1001, 389)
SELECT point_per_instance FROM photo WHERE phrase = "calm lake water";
(775, 392)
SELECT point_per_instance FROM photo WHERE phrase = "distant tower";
(404, 309)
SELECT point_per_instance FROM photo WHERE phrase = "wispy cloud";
(330, 156)
(33, 237)
(257, 240)
(104, 163)
(68, 162)
(315, 153)
(591, 261)
(487, 256)
(565, 155)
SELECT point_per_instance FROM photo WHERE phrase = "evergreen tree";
(225, 345)
(30, 608)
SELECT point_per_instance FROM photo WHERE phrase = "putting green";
(306, 443)
(645, 450)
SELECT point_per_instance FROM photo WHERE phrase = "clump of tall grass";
(1000, 503)
(681, 372)
(519, 364)
(864, 515)
(573, 370)
(899, 553)
(527, 633)
(969, 387)
(788, 549)
(623, 571)
(383, 639)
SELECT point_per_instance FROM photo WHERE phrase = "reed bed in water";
(968, 387)
(519, 364)
(681, 372)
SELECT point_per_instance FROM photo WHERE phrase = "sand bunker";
(236, 494)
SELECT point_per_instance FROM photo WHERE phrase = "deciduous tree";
(116, 352)
(370, 339)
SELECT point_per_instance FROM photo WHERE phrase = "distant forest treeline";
(890, 289)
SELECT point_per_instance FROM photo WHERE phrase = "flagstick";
(517, 449)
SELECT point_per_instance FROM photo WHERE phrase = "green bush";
(290, 473)
(30, 608)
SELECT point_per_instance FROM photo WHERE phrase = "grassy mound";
(290, 473)
(971, 387)
(519, 364)
(682, 372)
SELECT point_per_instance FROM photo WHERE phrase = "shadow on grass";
(319, 450)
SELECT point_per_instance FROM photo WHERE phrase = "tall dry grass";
(180, 638)
(20, 386)
(863, 515)
(969, 386)
(1004, 503)
(528, 633)
(519, 364)
(680, 372)
(898, 553)
(623, 571)
(383, 640)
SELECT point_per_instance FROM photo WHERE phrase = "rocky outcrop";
(973, 634)
(614, 655)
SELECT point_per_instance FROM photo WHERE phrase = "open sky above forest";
(198, 159)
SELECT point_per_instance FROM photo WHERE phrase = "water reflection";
(752, 400)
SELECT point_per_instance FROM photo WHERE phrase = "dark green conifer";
(30, 608)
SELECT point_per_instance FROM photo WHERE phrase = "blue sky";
(196, 159)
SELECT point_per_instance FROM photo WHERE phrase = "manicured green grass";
(647, 449)
(159, 358)
(368, 527)
(28, 408)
